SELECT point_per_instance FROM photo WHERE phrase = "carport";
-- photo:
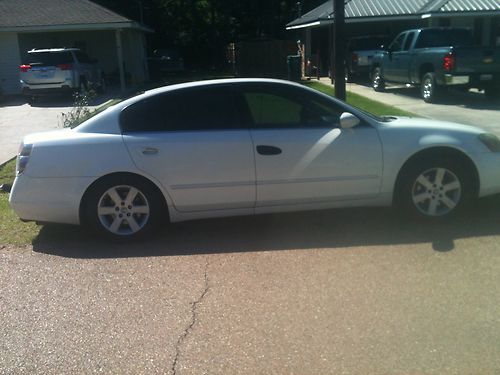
(118, 43)
(389, 17)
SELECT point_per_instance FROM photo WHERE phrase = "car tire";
(429, 89)
(492, 93)
(434, 188)
(378, 82)
(123, 207)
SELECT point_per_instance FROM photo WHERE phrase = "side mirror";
(348, 120)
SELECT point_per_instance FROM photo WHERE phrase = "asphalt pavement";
(355, 291)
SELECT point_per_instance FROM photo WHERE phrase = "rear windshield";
(363, 44)
(444, 38)
(49, 58)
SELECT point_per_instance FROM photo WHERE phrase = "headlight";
(491, 141)
(23, 157)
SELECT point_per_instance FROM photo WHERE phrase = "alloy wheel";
(123, 210)
(436, 192)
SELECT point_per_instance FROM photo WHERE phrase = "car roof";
(34, 50)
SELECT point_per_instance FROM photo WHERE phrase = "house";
(118, 43)
(389, 17)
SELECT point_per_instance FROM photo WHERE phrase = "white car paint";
(218, 173)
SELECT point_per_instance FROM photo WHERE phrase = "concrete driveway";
(470, 108)
(18, 119)
(333, 292)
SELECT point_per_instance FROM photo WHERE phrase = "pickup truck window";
(408, 41)
(444, 38)
(397, 44)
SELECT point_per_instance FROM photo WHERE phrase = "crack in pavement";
(188, 329)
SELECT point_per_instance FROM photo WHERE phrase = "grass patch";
(12, 230)
(361, 102)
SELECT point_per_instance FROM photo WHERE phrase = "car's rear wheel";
(434, 188)
(378, 83)
(123, 207)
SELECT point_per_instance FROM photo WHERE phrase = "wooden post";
(339, 48)
(119, 53)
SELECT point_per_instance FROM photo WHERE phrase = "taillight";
(354, 58)
(24, 68)
(449, 61)
(65, 66)
(23, 157)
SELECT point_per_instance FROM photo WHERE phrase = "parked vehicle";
(165, 61)
(245, 146)
(437, 58)
(360, 52)
(59, 70)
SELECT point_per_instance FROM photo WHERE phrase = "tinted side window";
(274, 107)
(408, 41)
(82, 57)
(185, 109)
(397, 44)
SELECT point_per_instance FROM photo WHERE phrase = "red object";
(354, 58)
(449, 62)
(24, 68)
(65, 66)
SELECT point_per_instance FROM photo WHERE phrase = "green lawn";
(361, 102)
(13, 231)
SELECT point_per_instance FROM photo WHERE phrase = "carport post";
(119, 53)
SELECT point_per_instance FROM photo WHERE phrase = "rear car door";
(192, 142)
(301, 153)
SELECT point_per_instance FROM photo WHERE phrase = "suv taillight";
(24, 68)
(65, 66)
(23, 157)
(449, 62)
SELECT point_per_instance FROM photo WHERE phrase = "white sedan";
(245, 146)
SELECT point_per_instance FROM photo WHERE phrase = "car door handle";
(150, 151)
(268, 150)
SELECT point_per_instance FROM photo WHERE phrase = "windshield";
(49, 58)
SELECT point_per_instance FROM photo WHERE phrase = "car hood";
(423, 124)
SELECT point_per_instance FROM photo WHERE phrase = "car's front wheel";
(434, 189)
(123, 207)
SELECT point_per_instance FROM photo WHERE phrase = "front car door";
(192, 142)
(391, 59)
(301, 153)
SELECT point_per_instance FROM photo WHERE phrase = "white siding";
(9, 63)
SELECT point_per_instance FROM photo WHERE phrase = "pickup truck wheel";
(492, 93)
(378, 82)
(429, 90)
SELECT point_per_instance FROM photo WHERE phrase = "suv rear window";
(49, 58)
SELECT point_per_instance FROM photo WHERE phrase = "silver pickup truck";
(59, 70)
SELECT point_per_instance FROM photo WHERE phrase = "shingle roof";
(22, 13)
(394, 8)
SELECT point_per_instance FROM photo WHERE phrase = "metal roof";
(358, 9)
